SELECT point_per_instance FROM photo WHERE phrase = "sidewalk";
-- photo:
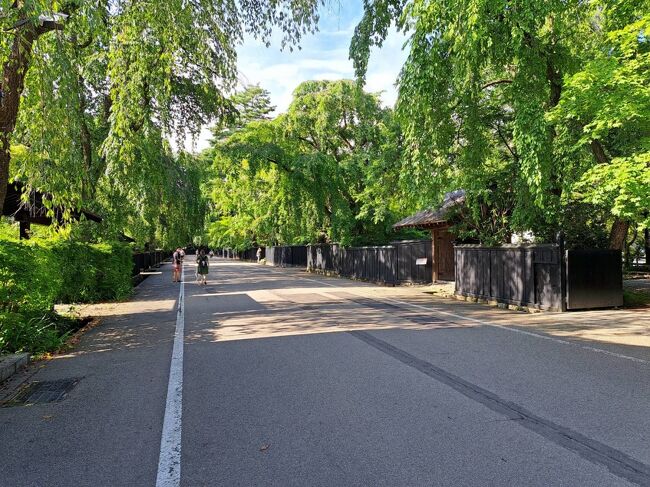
(628, 327)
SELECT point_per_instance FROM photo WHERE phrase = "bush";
(36, 274)
(29, 280)
(93, 272)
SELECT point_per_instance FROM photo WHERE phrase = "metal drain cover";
(42, 392)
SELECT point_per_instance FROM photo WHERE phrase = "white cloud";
(324, 55)
(385, 65)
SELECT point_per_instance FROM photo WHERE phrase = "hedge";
(36, 274)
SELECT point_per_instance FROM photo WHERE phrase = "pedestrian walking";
(259, 254)
(202, 267)
(177, 261)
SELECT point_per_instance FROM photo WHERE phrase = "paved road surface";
(289, 379)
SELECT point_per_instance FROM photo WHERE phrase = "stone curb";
(10, 364)
(497, 304)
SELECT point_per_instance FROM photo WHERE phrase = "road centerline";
(169, 462)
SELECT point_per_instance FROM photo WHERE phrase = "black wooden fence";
(228, 253)
(287, 256)
(594, 279)
(408, 254)
(399, 262)
(146, 260)
(540, 276)
(367, 263)
(408, 261)
(248, 254)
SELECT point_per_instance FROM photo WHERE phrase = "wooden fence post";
(563, 271)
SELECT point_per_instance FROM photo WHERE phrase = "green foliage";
(33, 331)
(635, 298)
(29, 284)
(512, 101)
(107, 85)
(608, 101)
(36, 274)
(30, 278)
(91, 272)
(327, 170)
(250, 105)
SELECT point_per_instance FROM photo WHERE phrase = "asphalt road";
(282, 378)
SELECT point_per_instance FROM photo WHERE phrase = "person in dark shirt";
(202, 267)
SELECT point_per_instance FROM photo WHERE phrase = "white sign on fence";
(422, 261)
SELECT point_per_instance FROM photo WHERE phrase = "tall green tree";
(605, 111)
(327, 170)
(94, 88)
(475, 96)
(251, 104)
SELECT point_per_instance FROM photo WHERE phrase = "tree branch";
(280, 165)
(505, 142)
(345, 140)
(496, 82)
(309, 141)
(599, 152)
(48, 26)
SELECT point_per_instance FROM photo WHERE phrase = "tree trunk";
(628, 248)
(647, 247)
(85, 138)
(5, 157)
(13, 82)
(618, 234)
(11, 87)
(598, 151)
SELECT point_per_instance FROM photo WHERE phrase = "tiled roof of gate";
(430, 217)
(34, 206)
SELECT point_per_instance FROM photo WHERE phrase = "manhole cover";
(42, 392)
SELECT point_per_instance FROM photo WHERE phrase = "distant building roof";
(433, 217)
(34, 209)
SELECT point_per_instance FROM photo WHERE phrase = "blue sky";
(323, 55)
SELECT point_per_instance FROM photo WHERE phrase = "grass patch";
(37, 332)
(635, 299)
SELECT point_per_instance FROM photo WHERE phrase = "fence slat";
(525, 275)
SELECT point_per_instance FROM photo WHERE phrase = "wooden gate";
(443, 255)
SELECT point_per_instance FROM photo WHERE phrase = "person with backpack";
(177, 261)
(202, 266)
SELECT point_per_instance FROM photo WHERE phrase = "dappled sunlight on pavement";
(623, 327)
(296, 302)
(118, 309)
(292, 311)
(121, 336)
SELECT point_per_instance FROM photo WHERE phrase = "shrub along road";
(281, 378)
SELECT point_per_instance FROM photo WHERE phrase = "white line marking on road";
(169, 463)
(492, 325)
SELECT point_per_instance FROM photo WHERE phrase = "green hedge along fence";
(36, 274)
